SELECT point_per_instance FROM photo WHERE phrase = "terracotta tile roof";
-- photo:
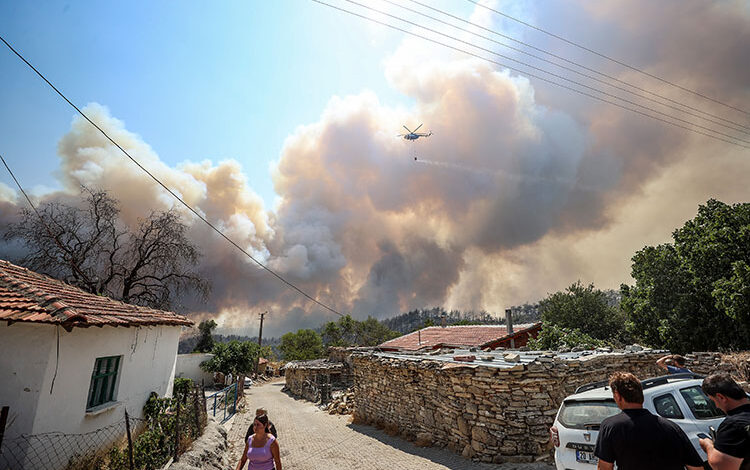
(32, 297)
(452, 336)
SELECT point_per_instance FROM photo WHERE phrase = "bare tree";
(91, 248)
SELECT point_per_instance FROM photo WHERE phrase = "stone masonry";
(493, 412)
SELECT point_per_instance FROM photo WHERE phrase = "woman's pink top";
(260, 458)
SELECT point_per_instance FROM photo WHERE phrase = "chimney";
(442, 320)
(509, 326)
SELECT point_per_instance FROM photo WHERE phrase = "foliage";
(350, 332)
(153, 447)
(268, 353)
(150, 264)
(693, 294)
(205, 340)
(416, 319)
(302, 345)
(583, 308)
(556, 337)
(182, 386)
(236, 357)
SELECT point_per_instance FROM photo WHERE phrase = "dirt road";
(311, 439)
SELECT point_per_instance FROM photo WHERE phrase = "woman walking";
(261, 448)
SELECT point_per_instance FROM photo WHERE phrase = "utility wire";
(41, 219)
(178, 198)
(551, 54)
(604, 56)
(458, 49)
(556, 75)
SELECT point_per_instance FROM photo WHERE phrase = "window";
(103, 381)
(701, 406)
(586, 414)
(667, 407)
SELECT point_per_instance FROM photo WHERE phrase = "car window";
(667, 407)
(701, 406)
(586, 414)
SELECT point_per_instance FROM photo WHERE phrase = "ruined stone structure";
(497, 407)
(314, 380)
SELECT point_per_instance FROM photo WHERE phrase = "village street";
(313, 439)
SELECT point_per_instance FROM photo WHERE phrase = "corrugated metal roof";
(28, 296)
(460, 335)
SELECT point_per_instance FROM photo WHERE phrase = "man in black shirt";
(731, 449)
(638, 440)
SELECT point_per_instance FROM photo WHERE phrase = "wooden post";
(196, 412)
(177, 429)
(130, 441)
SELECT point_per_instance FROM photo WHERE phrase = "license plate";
(586, 457)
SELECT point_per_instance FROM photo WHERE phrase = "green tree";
(555, 337)
(585, 309)
(235, 357)
(693, 294)
(300, 346)
(205, 341)
(372, 332)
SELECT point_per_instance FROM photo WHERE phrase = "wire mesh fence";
(167, 430)
(65, 451)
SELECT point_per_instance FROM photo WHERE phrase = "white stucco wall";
(188, 366)
(28, 356)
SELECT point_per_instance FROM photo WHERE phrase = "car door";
(668, 403)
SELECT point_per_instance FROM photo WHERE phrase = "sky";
(279, 122)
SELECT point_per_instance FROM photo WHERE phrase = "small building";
(72, 362)
(464, 336)
(189, 367)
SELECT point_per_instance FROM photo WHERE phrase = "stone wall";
(488, 413)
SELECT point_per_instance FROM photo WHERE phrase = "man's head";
(627, 389)
(724, 391)
(679, 360)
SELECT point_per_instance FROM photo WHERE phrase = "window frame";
(674, 402)
(104, 382)
(716, 412)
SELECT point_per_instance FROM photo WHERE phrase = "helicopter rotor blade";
(415, 130)
(407, 129)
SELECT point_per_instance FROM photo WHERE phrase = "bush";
(557, 337)
(153, 447)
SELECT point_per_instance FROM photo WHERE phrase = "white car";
(677, 397)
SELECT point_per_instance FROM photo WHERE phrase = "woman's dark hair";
(721, 382)
(263, 420)
(628, 386)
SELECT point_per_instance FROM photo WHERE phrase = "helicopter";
(413, 134)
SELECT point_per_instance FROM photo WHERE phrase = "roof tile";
(32, 297)
(454, 336)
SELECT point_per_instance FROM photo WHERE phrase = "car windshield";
(586, 414)
(701, 406)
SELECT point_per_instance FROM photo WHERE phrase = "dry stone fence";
(495, 408)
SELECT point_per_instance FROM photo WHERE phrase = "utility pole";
(260, 333)
(260, 341)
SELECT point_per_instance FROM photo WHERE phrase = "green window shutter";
(103, 381)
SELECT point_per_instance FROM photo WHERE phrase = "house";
(464, 336)
(73, 362)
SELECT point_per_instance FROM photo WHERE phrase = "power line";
(551, 54)
(464, 51)
(178, 198)
(549, 73)
(604, 56)
(44, 223)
